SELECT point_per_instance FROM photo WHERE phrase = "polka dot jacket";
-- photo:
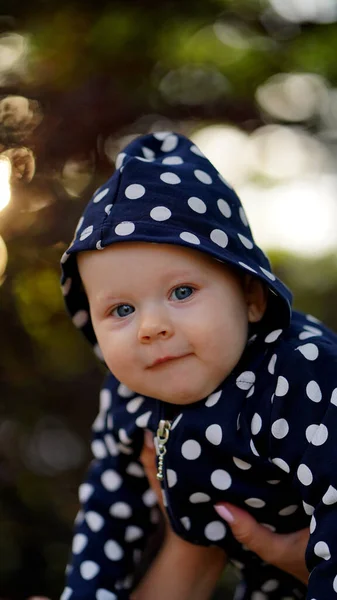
(264, 440)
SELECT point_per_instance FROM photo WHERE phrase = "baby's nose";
(153, 327)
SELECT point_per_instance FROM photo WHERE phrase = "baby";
(166, 282)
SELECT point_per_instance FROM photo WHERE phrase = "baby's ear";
(256, 295)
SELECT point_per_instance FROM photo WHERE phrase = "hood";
(164, 190)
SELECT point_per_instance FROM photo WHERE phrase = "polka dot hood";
(164, 190)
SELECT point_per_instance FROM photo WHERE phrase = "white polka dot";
(197, 205)
(143, 420)
(148, 153)
(215, 530)
(191, 449)
(309, 351)
(84, 492)
(120, 510)
(134, 191)
(253, 449)
(256, 424)
(259, 596)
(333, 399)
(246, 267)
(124, 228)
(103, 594)
(330, 496)
(199, 498)
(320, 436)
(170, 143)
(133, 533)
(161, 135)
(272, 363)
(186, 522)
(224, 208)
(170, 178)
(176, 421)
(160, 213)
(111, 480)
(245, 241)
(214, 434)
(268, 274)
(312, 524)
(119, 159)
(219, 237)
(100, 195)
(282, 386)
(313, 391)
(67, 592)
(79, 543)
(310, 431)
(196, 151)
(213, 399)
(64, 257)
(123, 436)
(309, 510)
(270, 586)
(280, 428)
(304, 474)
(112, 550)
(245, 380)
(251, 392)
(203, 176)
(135, 470)
(89, 569)
(288, 510)
(221, 480)
(86, 232)
(104, 400)
(322, 550)
(94, 520)
(149, 498)
(273, 481)
(335, 584)
(111, 444)
(124, 391)
(241, 464)
(171, 477)
(189, 237)
(80, 318)
(255, 502)
(273, 336)
(243, 216)
(279, 462)
(99, 449)
(172, 160)
(66, 286)
(134, 404)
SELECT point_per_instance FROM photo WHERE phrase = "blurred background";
(254, 84)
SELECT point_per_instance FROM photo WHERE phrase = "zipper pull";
(163, 433)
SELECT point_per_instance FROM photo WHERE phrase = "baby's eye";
(123, 310)
(182, 292)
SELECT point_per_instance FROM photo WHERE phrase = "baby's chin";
(181, 396)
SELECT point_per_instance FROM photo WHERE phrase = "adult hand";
(285, 551)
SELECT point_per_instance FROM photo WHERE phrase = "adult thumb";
(248, 531)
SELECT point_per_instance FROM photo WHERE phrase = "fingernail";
(149, 439)
(224, 513)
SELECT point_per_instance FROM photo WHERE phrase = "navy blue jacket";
(262, 440)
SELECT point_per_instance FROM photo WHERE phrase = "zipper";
(163, 434)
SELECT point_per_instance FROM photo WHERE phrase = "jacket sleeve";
(303, 443)
(118, 510)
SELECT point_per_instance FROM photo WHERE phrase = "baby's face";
(171, 322)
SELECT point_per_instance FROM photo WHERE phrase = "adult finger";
(285, 551)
